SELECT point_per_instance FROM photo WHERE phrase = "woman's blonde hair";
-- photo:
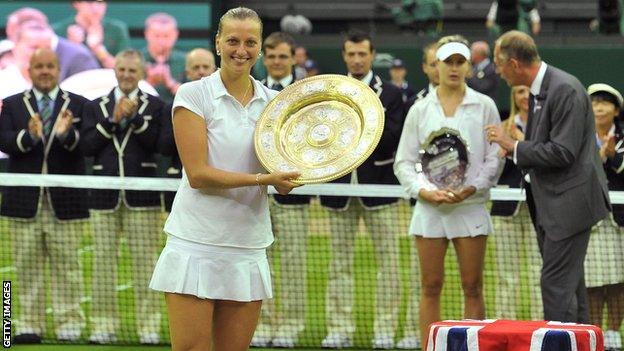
(240, 14)
(514, 109)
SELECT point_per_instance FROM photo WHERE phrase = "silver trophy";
(444, 159)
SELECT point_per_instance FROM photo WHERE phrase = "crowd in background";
(45, 129)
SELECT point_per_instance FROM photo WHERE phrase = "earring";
(259, 54)
(218, 53)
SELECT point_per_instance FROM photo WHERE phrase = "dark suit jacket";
(47, 156)
(289, 199)
(167, 147)
(614, 168)
(74, 58)
(484, 81)
(560, 154)
(122, 152)
(377, 169)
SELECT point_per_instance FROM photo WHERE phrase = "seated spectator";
(420, 16)
(311, 68)
(30, 30)
(398, 72)
(604, 263)
(505, 15)
(484, 78)
(165, 65)
(301, 56)
(105, 37)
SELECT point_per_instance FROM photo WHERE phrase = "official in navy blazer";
(120, 132)
(566, 185)
(379, 214)
(40, 131)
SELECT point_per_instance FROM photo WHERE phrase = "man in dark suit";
(484, 78)
(429, 62)
(565, 184)
(39, 130)
(120, 132)
(380, 214)
(199, 63)
(290, 217)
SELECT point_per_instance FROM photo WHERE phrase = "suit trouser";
(290, 226)
(514, 237)
(563, 277)
(142, 229)
(36, 241)
(382, 224)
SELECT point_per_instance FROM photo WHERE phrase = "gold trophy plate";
(323, 126)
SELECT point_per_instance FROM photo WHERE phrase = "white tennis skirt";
(212, 272)
(450, 221)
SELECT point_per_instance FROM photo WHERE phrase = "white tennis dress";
(217, 241)
(467, 218)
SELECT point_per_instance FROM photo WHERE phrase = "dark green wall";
(589, 65)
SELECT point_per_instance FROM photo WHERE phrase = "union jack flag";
(506, 335)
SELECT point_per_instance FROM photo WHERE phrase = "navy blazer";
(289, 199)
(377, 169)
(122, 152)
(167, 147)
(47, 156)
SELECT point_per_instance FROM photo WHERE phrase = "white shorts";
(212, 272)
(450, 221)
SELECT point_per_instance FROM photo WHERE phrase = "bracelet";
(258, 179)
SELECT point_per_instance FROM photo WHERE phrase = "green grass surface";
(317, 270)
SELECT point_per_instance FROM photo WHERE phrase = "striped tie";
(45, 113)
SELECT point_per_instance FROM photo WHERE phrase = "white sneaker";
(408, 343)
(149, 338)
(283, 342)
(383, 342)
(68, 334)
(260, 341)
(336, 341)
(102, 338)
(612, 340)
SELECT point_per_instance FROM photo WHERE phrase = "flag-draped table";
(507, 335)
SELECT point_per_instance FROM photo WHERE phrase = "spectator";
(311, 68)
(484, 78)
(398, 73)
(514, 239)
(39, 129)
(199, 63)
(30, 30)
(165, 69)
(505, 15)
(420, 16)
(301, 56)
(120, 132)
(604, 264)
(379, 214)
(105, 37)
(289, 217)
(410, 339)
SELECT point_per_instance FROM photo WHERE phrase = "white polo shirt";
(237, 217)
